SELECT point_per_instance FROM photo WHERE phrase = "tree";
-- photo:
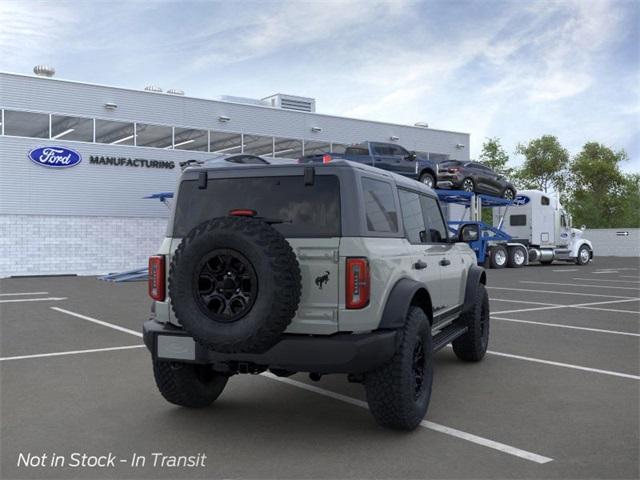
(545, 164)
(494, 156)
(600, 195)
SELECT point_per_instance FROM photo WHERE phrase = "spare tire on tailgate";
(234, 284)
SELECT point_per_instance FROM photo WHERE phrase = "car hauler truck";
(538, 221)
(532, 228)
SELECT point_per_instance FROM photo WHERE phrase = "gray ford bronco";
(330, 268)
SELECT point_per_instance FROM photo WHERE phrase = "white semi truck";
(540, 223)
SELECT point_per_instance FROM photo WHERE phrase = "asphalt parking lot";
(556, 397)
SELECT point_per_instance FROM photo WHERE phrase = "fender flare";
(475, 277)
(400, 299)
(580, 243)
(430, 171)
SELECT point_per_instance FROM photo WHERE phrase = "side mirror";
(411, 156)
(583, 227)
(469, 233)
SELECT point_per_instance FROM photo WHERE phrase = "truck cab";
(538, 220)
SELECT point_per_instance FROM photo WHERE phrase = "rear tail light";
(156, 277)
(357, 285)
(242, 212)
(326, 158)
(454, 170)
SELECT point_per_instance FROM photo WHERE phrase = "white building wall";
(612, 242)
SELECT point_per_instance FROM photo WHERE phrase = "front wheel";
(399, 392)
(468, 185)
(584, 255)
(428, 180)
(188, 385)
(509, 194)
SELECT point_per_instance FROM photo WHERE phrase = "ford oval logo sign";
(55, 157)
(521, 200)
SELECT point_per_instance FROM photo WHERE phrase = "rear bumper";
(339, 353)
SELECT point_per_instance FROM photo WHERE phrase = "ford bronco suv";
(322, 268)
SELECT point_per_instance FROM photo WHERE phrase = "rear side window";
(357, 151)
(518, 220)
(380, 207)
(304, 210)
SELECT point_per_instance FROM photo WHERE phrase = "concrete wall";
(608, 242)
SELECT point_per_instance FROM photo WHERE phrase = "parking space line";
(525, 301)
(559, 293)
(581, 285)
(23, 293)
(567, 270)
(605, 280)
(99, 322)
(628, 276)
(47, 299)
(565, 365)
(71, 352)
(586, 306)
(597, 330)
(485, 442)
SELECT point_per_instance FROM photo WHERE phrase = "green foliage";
(494, 156)
(600, 195)
(545, 164)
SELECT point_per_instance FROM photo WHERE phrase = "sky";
(509, 69)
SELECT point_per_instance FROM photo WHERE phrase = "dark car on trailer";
(474, 177)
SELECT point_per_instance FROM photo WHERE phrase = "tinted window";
(380, 208)
(357, 151)
(437, 231)
(518, 220)
(544, 200)
(306, 210)
(382, 150)
(412, 217)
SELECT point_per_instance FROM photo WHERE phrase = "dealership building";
(77, 160)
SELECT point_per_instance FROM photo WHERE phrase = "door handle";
(419, 265)
(444, 262)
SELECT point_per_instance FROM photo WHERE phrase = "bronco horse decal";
(322, 279)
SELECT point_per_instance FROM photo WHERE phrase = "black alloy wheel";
(419, 364)
(225, 286)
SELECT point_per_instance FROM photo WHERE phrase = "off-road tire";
(512, 261)
(188, 385)
(579, 259)
(394, 400)
(495, 257)
(276, 296)
(426, 177)
(472, 346)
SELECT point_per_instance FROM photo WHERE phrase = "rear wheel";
(468, 185)
(472, 346)
(517, 257)
(188, 385)
(398, 393)
(428, 180)
(508, 194)
(498, 256)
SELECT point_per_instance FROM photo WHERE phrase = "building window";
(190, 139)
(438, 157)
(114, 133)
(71, 128)
(287, 148)
(380, 208)
(26, 124)
(315, 148)
(338, 148)
(157, 136)
(258, 145)
(225, 143)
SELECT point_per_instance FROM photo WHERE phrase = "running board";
(446, 335)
